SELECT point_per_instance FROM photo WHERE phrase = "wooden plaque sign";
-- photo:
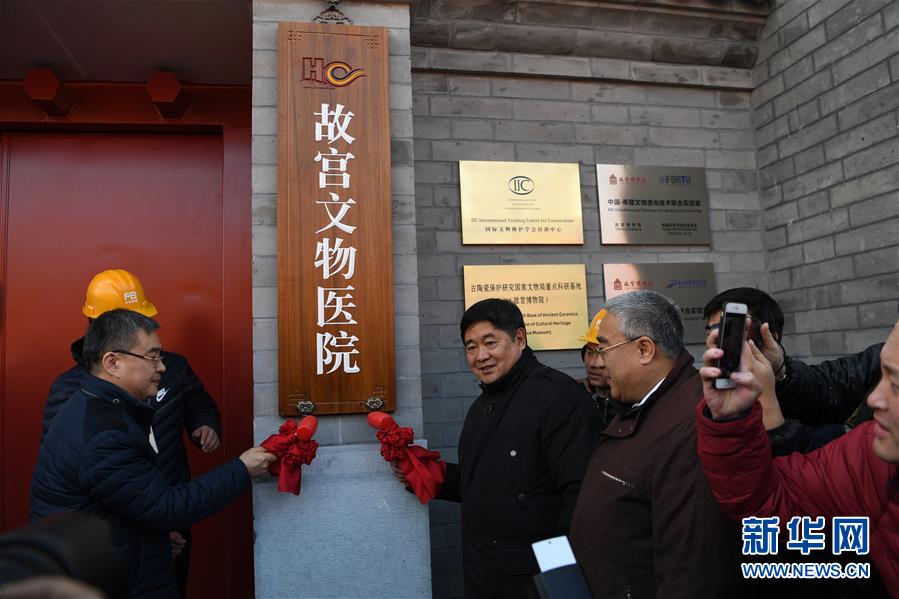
(335, 279)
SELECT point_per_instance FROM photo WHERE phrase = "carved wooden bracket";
(167, 93)
(47, 91)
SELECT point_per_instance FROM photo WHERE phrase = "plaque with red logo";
(653, 205)
(334, 221)
(689, 284)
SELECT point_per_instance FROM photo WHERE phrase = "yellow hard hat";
(112, 289)
(591, 335)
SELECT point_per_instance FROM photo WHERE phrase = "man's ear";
(521, 338)
(647, 350)
(110, 363)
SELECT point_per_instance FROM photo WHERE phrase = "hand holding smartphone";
(730, 339)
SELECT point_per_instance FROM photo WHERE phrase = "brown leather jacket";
(645, 524)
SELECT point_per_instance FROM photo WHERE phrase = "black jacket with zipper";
(522, 453)
(97, 458)
(832, 392)
(182, 403)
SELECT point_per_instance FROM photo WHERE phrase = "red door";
(73, 204)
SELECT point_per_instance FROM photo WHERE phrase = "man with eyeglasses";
(181, 402)
(645, 524)
(101, 456)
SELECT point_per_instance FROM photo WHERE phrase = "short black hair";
(116, 329)
(501, 313)
(761, 305)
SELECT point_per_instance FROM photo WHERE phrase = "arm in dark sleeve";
(119, 476)
(569, 429)
(199, 407)
(790, 436)
(451, 490)
(60, 391)
(829, 392)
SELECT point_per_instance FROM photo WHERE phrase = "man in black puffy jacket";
(101, 455)
(181, 403)
(523, 450)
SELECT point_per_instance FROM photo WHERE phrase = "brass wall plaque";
(552, 298)
(653, 205)
(691, 285)
(523, 203)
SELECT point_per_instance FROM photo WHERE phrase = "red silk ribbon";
(423, 469)
(293, 446)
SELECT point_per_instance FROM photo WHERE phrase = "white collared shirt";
(645, 397)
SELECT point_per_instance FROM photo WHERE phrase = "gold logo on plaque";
(521, 185)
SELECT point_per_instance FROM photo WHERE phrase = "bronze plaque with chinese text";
(335, 279)
(552, 298)
(520, 203)
(691, 285)
(653, 205)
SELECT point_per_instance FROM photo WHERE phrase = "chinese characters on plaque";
(552, 298)
(335, 258)
(521, 203)
(334, 221)
(691, 285)
(653, 205)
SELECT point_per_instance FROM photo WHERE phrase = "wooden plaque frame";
(336, 350)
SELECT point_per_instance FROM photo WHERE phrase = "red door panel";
(79, 203)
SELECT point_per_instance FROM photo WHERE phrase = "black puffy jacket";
(97, 458)
(832, 392)
(523, 450)
(182, 403)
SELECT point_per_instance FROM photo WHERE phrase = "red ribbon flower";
(423, 469)
(293, 446)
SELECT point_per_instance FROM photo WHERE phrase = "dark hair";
(761, 305)
(116, 329)
(501, 313)
(651, 314)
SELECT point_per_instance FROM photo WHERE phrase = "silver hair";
(650, 314)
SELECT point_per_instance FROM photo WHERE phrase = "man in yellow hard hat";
(595, 381)
(181, 402)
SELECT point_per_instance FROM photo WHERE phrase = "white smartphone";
(730, 339)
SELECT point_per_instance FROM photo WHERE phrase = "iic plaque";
(690, 284)
(552, 298)
(653, 205)
(522, 203)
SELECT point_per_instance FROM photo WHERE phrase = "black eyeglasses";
(155, 359)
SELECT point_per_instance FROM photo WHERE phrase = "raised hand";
(207, 438)
(725, 403)
(760, 367)
(772, 349)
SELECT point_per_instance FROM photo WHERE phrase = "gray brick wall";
(825, 110)
(497, 116)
